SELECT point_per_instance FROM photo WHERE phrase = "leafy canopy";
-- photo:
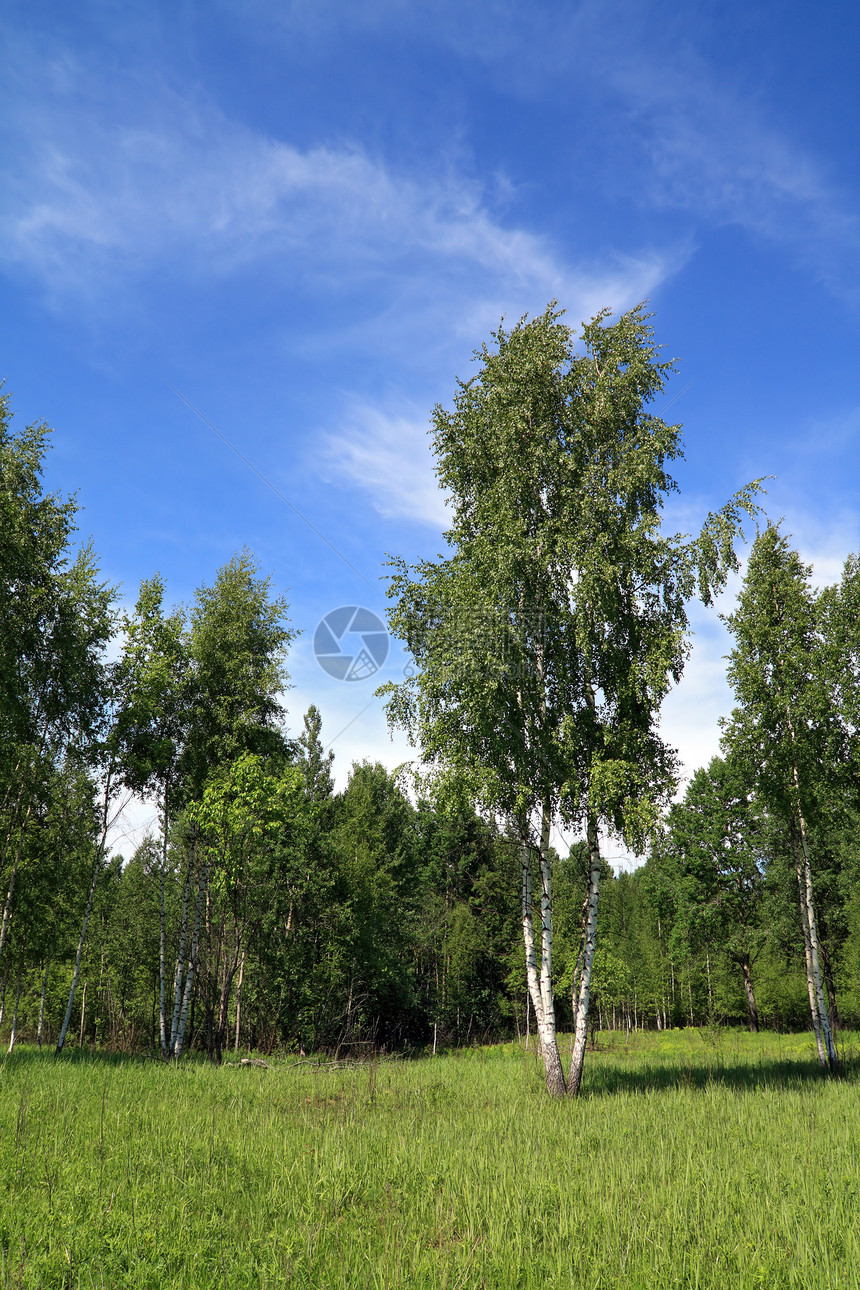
(547, 640)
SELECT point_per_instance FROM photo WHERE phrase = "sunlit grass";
(693, 1159)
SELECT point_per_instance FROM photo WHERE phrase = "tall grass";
(693, 1159)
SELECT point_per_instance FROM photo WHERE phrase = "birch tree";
(151, 730)
(57, 619)
(785, 727)
(236, 645)
(716, 838)
(548, 638)
(246, 821)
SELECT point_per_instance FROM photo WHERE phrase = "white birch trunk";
(97, 868)
(180, 966)
(40, 1033)
(581, 1021)
(162, 1020)
(14, 1033)
(532, 975)
(189, 979)
(239, 1004)
(549, 1040)
(7, 910)
(807, 954)
(751, 1003)
(815, 955)
(10, 892)
(811, 925)
(83, 1014)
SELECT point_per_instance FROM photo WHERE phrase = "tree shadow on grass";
(706, 1070)
(28, 1056)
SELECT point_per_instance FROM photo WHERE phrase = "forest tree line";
(269, 910)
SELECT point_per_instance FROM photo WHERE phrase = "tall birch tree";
(150, 733)
(548, 638)
(785, 727)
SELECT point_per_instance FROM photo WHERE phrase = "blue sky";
(305, 216)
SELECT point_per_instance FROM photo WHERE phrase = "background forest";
(271, 910)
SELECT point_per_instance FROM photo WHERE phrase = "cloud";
(386, 451)
(679, 130)
(103, 184)
(388, 456)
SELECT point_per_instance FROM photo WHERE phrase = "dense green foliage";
(708, 1159)
(269, 910)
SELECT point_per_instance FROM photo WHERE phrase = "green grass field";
(692, 1159)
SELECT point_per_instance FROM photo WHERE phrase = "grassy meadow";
(693, 1159)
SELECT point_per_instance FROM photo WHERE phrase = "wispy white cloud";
(388, 456)
(686, 133)
(105, 185)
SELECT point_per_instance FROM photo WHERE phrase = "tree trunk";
(97, 868)
(539, 979)
(827, 965)
(178, 979)
(83, 1014)
(10, 892)
(189, 978)
(162, 970)
(239, 1004)
(552, 1058)
(814, 945)
(228, 976)
(748, 986)
(807, 953)
(40, 1033)
(14, 1033)
(581, 1022)
(807, 901)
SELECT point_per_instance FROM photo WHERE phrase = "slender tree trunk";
(577, 969)
(806, 896)
(807, 953)
(227, 978)
(748, 986)
(814, 945)
(532, 975)
(807, 900)
(40, 1033)
(827, 967)
(192, 959)
(552, 1058)
(83, 1014)
(97, 868)
(581, 1021)
(540, 977)
(3, 996)
(14, 1033)
(162, 969)
(180, 965)
(239, 1002)
(7, 909)
(10, 891)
